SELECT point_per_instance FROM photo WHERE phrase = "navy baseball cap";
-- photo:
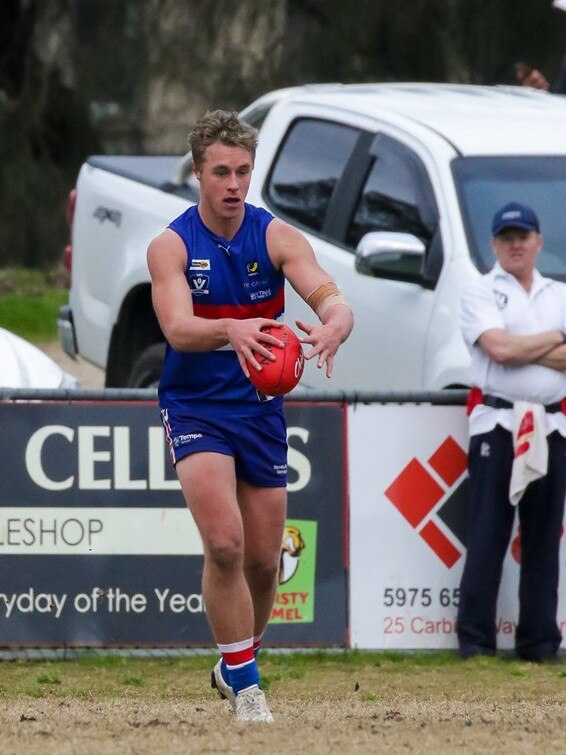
(515, 215)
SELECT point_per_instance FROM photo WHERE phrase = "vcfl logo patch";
(421, 497)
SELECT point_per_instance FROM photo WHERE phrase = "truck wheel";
(147, 368)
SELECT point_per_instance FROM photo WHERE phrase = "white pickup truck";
(393, 184)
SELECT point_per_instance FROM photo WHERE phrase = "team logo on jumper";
(257, 295)
(200, 265)
(199, 284)
(501, 299)
(432, 497)
(252, 268)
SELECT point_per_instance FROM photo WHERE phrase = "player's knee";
(226, 554)
(262, 573)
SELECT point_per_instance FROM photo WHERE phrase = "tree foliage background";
(131, 76)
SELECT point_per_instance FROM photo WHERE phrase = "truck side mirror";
(395, 256)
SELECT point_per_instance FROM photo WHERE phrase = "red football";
(282, 374)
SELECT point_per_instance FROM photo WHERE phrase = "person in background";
(514, 322)
(218, 274)
(532, 77)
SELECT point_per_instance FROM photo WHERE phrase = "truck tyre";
(147, 368)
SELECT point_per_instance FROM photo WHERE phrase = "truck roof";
(476, 120)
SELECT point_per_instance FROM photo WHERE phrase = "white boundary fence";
(377, 495)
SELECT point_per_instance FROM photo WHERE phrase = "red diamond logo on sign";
(449, 461)
(402, 491)
(420, 488)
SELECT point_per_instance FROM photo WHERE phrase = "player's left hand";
(325, 340)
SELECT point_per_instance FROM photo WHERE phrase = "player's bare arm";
(291, 252)
(172, 300)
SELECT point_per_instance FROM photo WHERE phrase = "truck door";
(337, 183)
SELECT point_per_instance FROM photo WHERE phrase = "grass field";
(350, 702)
(30, 301)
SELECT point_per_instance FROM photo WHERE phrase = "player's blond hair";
(221, 126)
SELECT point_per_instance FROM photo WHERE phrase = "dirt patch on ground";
(464, 708)
(320, 726)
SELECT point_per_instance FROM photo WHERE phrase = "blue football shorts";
(258, 444)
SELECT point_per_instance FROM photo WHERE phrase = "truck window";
(393, 197)
(307, 169)
(485, 184)
(257, 116)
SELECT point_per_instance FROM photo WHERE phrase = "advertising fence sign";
(97, 547)
(408, 505)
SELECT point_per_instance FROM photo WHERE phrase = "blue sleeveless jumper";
(228, 278)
